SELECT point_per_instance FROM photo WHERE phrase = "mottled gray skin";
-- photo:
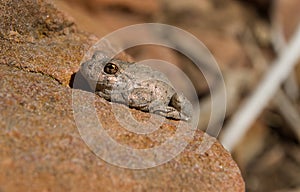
(135, 85)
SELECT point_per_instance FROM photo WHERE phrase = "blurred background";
(244, 37)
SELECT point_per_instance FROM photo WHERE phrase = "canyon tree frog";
(135, 85)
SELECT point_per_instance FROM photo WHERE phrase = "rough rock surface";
(41, 149)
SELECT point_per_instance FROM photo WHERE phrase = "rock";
(41, 148)
(42, 40)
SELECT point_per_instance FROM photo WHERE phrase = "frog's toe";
(168, 111)
(172, 113)
(169, 114)
(184, 117)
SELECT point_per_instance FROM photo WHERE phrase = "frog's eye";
(111, 68)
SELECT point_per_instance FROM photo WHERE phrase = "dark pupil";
(110, 68)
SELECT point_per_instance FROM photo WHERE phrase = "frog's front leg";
(106, 94)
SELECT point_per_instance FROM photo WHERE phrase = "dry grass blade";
(279, 71)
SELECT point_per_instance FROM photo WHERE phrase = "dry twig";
(279, 71)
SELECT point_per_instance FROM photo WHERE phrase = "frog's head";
(101, 71)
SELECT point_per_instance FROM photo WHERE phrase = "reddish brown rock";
(41, 148)
(38, 38)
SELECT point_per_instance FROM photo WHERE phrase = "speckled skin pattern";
(135, 85)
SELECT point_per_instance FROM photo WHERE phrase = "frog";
(135, 85)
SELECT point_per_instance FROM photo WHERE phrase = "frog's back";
(143, 73)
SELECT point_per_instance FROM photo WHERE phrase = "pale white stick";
(249, 111)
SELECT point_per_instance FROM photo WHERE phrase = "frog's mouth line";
(102, 86)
